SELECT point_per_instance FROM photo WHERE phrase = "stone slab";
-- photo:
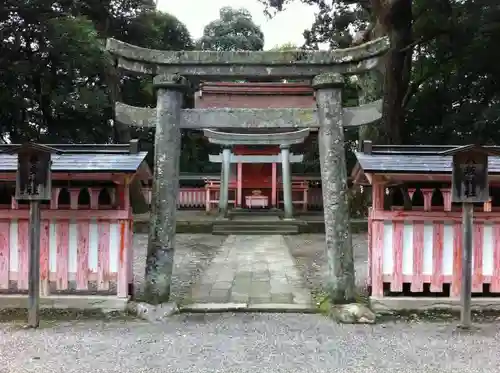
(240, 273)
(293, 118)
(213, 307)
(388, 304)
(281, 307)
(78, 302)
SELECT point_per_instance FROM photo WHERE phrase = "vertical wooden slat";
(62, 261)
(124, 257)
(23, 250)
(54, 200)
(208, 205)
(457, 261)
(487, 206)
(437, 258)
(74, 193)
(495, 282)
(417, 283)
(477, 274)
(44, 257)
(447, 199)
(82, 271)
(370, 246)
(131, 250)
(377, 255)
(411, 192)
(4, 254)
(103, 259)
(378, 193)
(427, 198)
(397, 250)
(94, 198)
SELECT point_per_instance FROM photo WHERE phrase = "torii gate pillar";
(334, 186)
(161, 243)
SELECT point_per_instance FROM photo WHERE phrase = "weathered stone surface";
(159, 265)
(197, 73)
(341, 286)
(153, 313)
(243, 265)
(354, 313)
(328, 80)
(135, 116)
(250, 118)
(212, 64)
(337, 56)
(362, 115)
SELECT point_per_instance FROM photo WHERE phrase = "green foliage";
(56, 82)
(233, 31)
(451, 96)
(455, 99)
(286, 47)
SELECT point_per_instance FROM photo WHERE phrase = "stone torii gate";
(324, 68)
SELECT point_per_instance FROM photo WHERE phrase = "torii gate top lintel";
(214, 65)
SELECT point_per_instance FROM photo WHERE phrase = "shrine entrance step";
(252, 213)
(256, 225)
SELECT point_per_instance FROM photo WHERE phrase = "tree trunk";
(370, 89)
(396, 22)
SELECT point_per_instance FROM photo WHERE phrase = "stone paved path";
(252, 269)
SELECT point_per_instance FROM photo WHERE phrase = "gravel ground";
(248, 343)
(310, 256)
(193, 255)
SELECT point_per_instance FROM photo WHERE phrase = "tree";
(50, 76)
(233, 31)
(286, 47)
(54, 72)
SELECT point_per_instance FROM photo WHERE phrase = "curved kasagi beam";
(206, 119)
(281, 138)
(283, 64)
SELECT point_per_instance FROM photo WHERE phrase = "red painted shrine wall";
(256, 175)
(256, 96)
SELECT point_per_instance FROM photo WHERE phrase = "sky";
(285, 27)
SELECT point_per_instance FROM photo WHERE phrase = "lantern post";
(469, 186)
(33, 184)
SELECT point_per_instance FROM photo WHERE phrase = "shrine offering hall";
(256, 165)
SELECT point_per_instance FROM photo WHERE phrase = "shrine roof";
(413, 159)
(257, 88)
(84, 158)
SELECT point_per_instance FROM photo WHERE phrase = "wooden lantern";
(33, 179)
(470, 173)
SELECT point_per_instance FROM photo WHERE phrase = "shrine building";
(256, 165)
